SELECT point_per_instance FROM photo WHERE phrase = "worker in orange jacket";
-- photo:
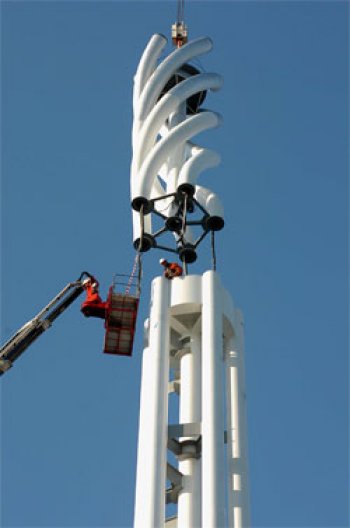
(172, 269)
(91, 287)
(93, 306)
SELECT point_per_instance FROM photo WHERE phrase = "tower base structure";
(193, 349)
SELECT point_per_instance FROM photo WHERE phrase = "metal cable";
(212, 242)
(184, 214)
(180, 11)
(139, 275)
(137, 262)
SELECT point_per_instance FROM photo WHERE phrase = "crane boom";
(30, 331)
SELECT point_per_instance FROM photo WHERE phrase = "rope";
(139, 275)
(184, 214)
(180, 11)
(136, 266)
(142, 229)
(137, 262)
(184, 223)
(183, 228)
(212, 241)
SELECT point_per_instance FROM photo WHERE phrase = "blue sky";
(69, 413)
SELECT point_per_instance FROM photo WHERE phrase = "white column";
(233, 436)
(189, 502)
(238, 493)
(213, 480)
(152, 441)
(243, 420)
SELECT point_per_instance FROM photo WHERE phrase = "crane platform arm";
(31, 330)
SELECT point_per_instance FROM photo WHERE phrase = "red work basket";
(120, 322)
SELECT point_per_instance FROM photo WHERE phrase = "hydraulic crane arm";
(29, 332)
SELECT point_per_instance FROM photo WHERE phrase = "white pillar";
(213, 482)
(238, 493)
(189, 502)
(233, 437)
(243, 420)
(152, 441)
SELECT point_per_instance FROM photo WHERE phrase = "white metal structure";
(194, 334)
(164, 158)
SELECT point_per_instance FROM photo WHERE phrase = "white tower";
(194, 334)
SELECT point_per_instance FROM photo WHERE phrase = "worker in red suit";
(91, 287)
(172, 269)
(93, 306)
